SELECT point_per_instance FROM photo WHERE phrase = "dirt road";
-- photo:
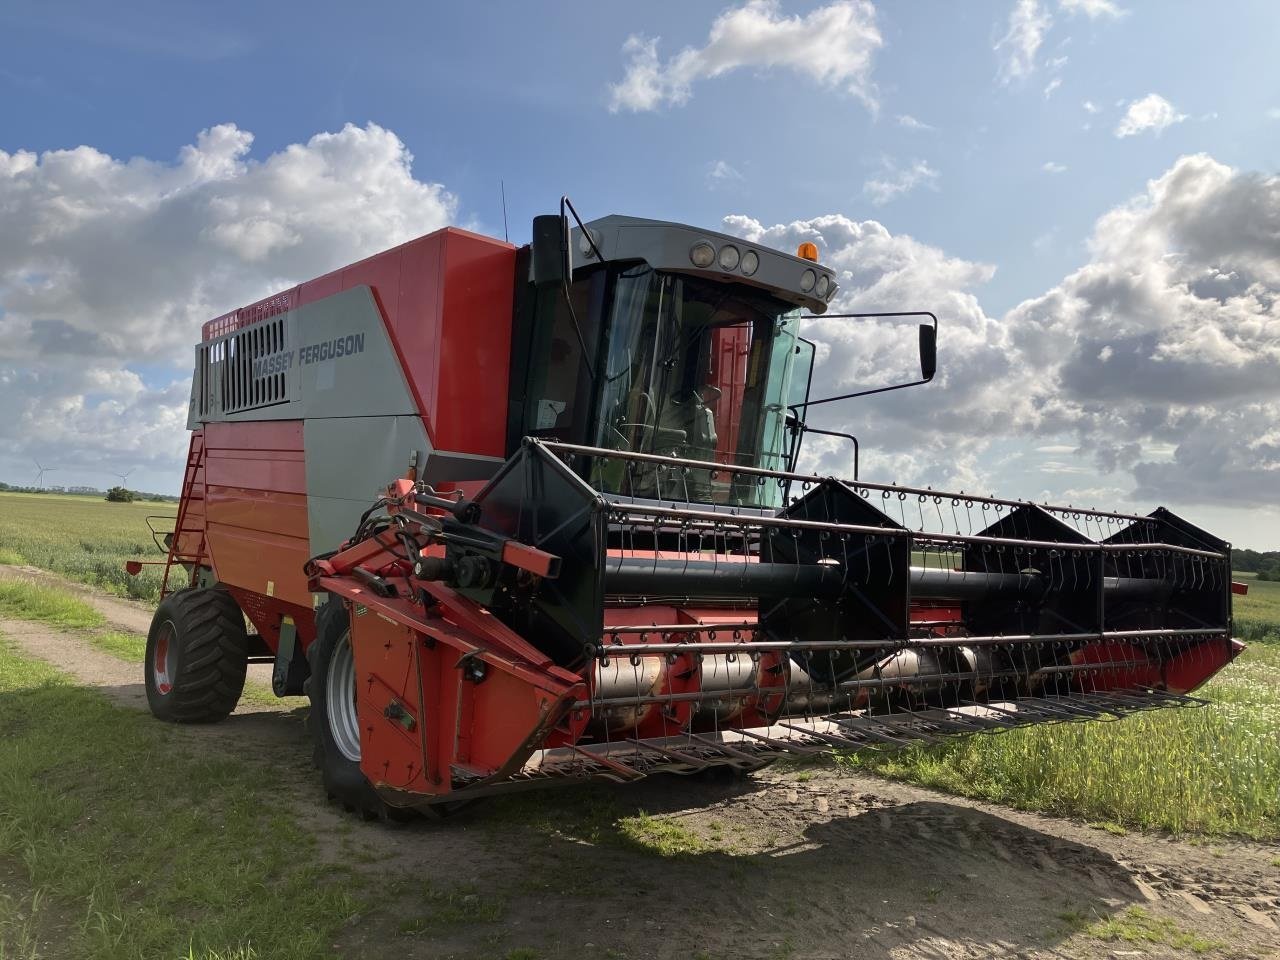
(811, 863)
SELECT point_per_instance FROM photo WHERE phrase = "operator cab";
(691, 350)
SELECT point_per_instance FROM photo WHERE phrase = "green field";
(1213, 769)
(84, 538)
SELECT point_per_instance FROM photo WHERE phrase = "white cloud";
(834, 45)
(1051, 166)
(1090, 107)
(1051, 86)
(1157, 362)
(911, 123)
(1028, 23)
(106, 263)
(1273, 113)
(1093, 8)
(894, 181)
(721, 173)
(1153, 112)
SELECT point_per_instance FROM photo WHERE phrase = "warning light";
(807, 251)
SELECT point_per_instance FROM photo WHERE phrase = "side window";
(558, 399)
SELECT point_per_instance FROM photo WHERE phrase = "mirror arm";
(566, 252)
(802, 428)
(867, 393)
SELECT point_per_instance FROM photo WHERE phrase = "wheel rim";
(162, 659)
(340, 699)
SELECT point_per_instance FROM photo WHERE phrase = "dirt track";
(816, 863)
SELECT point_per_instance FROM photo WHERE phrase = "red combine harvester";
(515, 515)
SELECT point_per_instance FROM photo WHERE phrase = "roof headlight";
(822, 286)
(702, 254)
(750, 262)
(729, 257)
(807, 280)
(832, 292)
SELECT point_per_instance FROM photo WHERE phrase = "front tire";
(335, 727)
(197, 657)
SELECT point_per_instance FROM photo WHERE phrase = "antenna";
(503, 186)
(41, 471)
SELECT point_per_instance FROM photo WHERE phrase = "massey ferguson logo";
(334, 349)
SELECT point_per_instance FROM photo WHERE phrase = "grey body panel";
(665, 246)
(365, 382)
(350, 461)
(339, 374)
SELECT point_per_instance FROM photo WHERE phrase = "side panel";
(255, 507)
(470, 403)
(350, 460)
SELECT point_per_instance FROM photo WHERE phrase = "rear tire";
(197, 657)
(334, 727)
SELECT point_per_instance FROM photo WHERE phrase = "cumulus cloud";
(107, 264)
(1051, 166)
(895, 181)
(1157, 363)
(1153, 112)
(1028, 23)
(834, 45)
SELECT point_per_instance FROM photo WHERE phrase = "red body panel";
(446, 300)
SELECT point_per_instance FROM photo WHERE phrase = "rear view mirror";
(928, 351)
(550, 260)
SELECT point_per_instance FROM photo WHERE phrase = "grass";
(149, 848)
(1211, 770)
(122, 646)
(32, 601)
(460, 905)
(84, 538)
(1136, 925)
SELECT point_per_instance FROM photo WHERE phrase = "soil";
(792, 863)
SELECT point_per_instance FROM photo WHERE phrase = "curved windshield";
(700, 370)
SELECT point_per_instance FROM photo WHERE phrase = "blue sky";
(1000, 165)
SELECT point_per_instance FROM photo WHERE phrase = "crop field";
(84, 538)
(1211, 770)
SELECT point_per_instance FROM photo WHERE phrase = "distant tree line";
(88, 492)
(1266, 563)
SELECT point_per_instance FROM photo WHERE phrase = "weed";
(664, 836)
(1110, 826)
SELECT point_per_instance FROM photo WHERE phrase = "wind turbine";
(124, 476)
(41, 472)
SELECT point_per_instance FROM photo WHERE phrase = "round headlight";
(702, 254)
(807, 280)
(824, 283)
(729, 257)
(750, 262)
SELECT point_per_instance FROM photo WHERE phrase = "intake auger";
(599, 559)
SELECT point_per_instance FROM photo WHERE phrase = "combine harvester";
(518, 515)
